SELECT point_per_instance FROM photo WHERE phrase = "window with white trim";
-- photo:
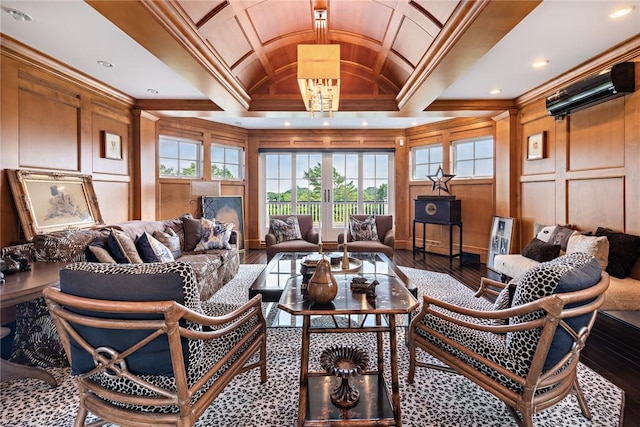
(227, 162)
(180, 158)
(425, 161)
(473, 158)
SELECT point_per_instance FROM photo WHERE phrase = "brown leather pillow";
(192, 232)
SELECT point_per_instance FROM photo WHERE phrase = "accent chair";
(525, 347)
(383, 243)
(291, 233)
(141, 347)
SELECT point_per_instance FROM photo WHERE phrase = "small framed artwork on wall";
(112, 145)
(535, 146)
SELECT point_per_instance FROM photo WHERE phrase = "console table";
(22, 287)
(439, 210)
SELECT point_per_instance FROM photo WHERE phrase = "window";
(473, 158)
(227, 162)
(425, 160)
(180, 158)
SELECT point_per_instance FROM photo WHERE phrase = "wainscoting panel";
(113, 197)
(597, 137)
(596, 202)
(48, 129)
(538, 205)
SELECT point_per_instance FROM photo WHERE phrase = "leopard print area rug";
(435, 398)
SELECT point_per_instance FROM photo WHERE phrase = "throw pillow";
(192, 232)
(545, 232)
(152, 250)
(122, 248)
(624, 250)
(503, 301)
(215, 235)
(560, 236)
(286, 230)
(97, 251)
(363, 230)
(541, 251)
(592, 245)
(170, 239)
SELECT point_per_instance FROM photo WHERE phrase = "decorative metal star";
(440, 180)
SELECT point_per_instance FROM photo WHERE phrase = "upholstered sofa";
(291, 233)
(623, 293)
(384, 242)
(36, 342)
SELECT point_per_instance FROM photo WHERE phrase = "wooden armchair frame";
(65, 309)
(540, 389)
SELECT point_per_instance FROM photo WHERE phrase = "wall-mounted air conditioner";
(617, 81)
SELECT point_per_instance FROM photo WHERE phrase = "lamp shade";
(205, 188)
(318, 61)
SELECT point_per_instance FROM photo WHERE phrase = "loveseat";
(618, 254)
(186, 239)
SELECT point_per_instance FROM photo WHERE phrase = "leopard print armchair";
(142, 348)
(524, 348)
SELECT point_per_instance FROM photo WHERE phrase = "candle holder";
(345, 257)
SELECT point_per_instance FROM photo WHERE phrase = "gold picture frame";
(112, 145)
(52, 201)
(536, 146)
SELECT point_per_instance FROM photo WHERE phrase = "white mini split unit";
(617, 81)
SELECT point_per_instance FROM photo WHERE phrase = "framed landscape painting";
(500, 239)
(48, 202)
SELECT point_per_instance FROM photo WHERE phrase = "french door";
(330, 186)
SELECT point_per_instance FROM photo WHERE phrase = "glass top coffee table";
(287, 265)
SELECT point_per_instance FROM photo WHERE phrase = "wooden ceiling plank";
(168, 33)
(470, 33)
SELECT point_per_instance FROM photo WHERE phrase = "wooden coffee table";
(375, 406)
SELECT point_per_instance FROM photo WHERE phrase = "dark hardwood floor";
(612, 350)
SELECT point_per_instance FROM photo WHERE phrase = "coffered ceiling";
(403, 62)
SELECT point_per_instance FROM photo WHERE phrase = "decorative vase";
(322, 287)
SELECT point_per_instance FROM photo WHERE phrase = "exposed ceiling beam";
(161, 29)
(471, 32)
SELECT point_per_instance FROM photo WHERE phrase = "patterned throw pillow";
(152, 250)
(286, 230)
(215, 235)
(363, 230)
(170, 239)
(560, 236)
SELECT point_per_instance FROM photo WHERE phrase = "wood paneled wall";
(54, 120)
(477, 195)
(590, 173)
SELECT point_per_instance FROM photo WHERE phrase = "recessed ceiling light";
(539, 63)
(495, 91)
(325, 123)
(287, 124)
(365, 124)
(621, 12)
(414, 123)
(105, 64)
(19, 15)
(153, 91)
